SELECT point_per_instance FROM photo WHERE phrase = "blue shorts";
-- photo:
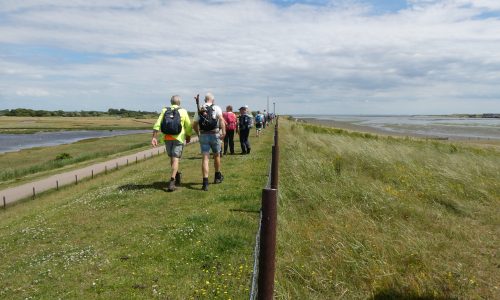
(174, 148)
(210, 141)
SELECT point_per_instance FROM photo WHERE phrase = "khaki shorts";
(174, 148)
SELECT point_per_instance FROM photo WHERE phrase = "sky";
(307, 57)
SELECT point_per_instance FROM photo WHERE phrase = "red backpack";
(230, 119)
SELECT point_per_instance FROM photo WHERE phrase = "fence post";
(105, 169)
(4, 204)
(275, 167)
(33, 192)
(117, 165)
(136, 159)
(127, 161)
(57, 185)
(267, 245)
(76, 179)
(92, 174)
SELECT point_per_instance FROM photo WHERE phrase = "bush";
(63, 156)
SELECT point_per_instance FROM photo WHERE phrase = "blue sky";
(337, 57)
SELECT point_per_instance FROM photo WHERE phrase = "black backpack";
(208, 119)
(244, 122)
(171, 122)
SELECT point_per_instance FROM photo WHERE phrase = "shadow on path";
(159, 185)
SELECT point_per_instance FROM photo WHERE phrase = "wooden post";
(92, 176)
(57, 185)
(136, 159)
(76, 179)
(33, 192)
(4, 203)
(127, 161)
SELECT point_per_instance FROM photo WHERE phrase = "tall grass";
(363, 216)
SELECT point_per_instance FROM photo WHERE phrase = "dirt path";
(31, 189)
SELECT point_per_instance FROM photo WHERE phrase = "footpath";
(31, 189)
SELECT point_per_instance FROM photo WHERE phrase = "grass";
(29, 164)
(120, 236)
(16, 125)
(363, 216)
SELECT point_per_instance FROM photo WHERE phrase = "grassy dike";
(29, 164)
(120, 236)
(363, 217)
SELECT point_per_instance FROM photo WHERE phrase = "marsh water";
(15, 142)
(432, 126)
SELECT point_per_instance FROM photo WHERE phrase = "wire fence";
(265, 239)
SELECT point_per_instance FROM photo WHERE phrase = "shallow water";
(435, 126)
(15, 142)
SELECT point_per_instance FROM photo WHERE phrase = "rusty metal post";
(76, 179)
(136, 159)
(33, 192)
(127, 161)
(92, 174)
(4, 203)
(57, 185)
(267, 245)
(274, 168)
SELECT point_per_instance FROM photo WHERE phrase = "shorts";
(210, 141)
(174, 148)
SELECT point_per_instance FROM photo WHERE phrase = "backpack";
(171, 122)
(208, 118)
(231, 120)
(258, 118)
(245, 122)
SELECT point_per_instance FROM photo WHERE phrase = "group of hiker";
(212, 126)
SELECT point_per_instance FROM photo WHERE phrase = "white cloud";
(335, 57)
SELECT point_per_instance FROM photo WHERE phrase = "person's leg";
(247, 142)
(242, 142)
(174, 163)
(230, 135)
(226, 142)
(204, 165)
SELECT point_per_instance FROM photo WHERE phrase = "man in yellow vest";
(177, 117)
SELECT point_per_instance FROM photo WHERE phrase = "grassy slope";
(364, 217)
(120, 236)
(29, 164)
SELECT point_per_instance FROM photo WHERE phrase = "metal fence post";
(33, 192)
(92, 174)
(4, 203)
(57, 185)
(76, 179)
(267, 244)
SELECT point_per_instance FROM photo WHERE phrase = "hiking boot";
(171, 186)
(205, 184)
(248, 151)
(178, 177)
(218, 177)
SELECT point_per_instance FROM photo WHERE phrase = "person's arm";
(156, 128)
(222, 123)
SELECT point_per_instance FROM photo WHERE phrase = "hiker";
(264, 119)
(231, 124)
(210, 127)
(175, 124)
(244, 125)
(259, 123)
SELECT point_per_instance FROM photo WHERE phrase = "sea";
(429, 126)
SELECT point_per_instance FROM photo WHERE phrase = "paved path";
(31, 189)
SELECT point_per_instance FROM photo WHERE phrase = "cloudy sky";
(310, 57)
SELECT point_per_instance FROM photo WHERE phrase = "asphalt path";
(32, 189)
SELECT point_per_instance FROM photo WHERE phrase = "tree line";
(24, 112)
